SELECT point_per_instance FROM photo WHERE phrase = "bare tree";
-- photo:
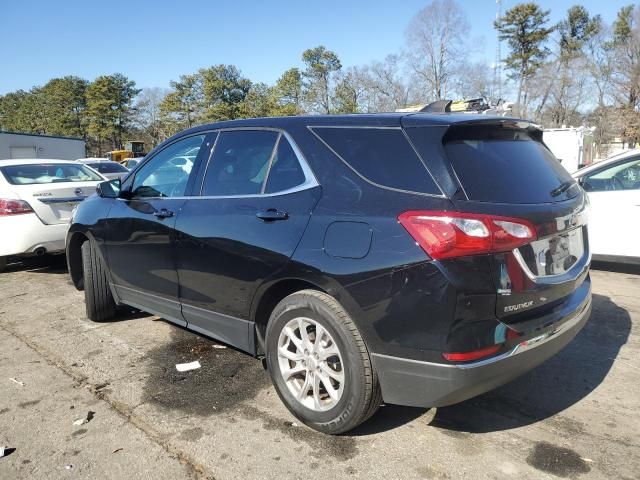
(148, 116)
(435, 41)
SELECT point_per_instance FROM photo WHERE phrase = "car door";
(256, 200)
(614, 193)
(140, 235)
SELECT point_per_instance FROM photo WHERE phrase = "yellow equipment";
(131, 150)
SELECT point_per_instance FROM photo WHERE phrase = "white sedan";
(613, 186)
(36, 201)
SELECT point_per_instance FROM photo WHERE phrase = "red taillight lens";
(473, 355)
(14, 207)
(456, 234)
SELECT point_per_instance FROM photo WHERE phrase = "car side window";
(167, 173)
(621, 176)
(240, 163)
(285, 172)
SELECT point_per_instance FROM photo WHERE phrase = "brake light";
(14, 207)
(473, 355)
(456, 234)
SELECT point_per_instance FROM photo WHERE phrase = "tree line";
(580, 71)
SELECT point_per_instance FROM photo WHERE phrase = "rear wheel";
(97, 293)
(319, 363)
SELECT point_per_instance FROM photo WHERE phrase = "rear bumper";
(23, 234)
(424, 384)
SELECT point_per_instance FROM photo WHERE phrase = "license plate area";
(555, 255)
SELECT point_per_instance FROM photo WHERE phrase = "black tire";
(3, 263)
(97, 293)
(361, 396)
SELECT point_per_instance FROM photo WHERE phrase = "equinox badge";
(518, 306)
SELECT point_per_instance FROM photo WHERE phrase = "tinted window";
(239, 163)
(382, 156)
(108, 167)
(48, 173)
(285, 172)
(167, 173)
(621, 176)
(496, 164)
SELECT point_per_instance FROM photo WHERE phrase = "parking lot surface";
(576, 416)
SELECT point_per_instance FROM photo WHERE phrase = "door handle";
(272, 214)
(163, 213)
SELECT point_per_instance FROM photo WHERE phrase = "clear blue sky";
(153, 42)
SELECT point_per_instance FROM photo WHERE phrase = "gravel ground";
(574, 416)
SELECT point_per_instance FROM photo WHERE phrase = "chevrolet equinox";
(413, 259)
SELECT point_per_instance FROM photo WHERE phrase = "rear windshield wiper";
(563, 187)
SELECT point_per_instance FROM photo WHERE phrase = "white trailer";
(572, 146)
(26, 145)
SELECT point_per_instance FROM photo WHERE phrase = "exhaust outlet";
(40, 251)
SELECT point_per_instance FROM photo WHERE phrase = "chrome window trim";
(310, 179)
(371, 182)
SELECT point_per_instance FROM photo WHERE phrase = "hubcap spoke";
(333, 393)
(328, 352)
(311, 364)
(330, 372)
(305, 386)
(306, 343)
(316, 392)
(293, 356)
(299, 368)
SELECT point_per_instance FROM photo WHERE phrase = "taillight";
(14, 207)
(456, 234)
(473, 355)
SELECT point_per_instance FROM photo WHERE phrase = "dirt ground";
(576, 416)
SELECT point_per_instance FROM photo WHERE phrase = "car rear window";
(48, 173)
(381, 155)
(505, 165)
(108, 167)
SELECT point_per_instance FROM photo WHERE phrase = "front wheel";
(97, 292)
(319, 363)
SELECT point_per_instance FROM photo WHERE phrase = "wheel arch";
(267, 299)
(74, 258)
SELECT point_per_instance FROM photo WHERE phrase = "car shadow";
(554, 386)
(615, 267)
(44, 264)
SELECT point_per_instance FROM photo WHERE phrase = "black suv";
(407, 258)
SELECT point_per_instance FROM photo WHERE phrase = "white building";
(26, 145)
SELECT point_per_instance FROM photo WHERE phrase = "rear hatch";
(502, 169)
(51, 189)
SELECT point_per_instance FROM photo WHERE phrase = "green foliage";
(346, 96)
(576, 30)
(183, 104)
(20, 111)
(224, 90)
(109, 100)
(623, 25)
(320, 65)
(523, 27)
(288, 93)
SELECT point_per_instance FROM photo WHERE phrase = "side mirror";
(110, 189)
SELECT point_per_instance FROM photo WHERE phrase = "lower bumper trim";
(424, 384)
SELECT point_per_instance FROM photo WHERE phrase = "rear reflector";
(473, 355)
(456, 234)
(14, 207)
